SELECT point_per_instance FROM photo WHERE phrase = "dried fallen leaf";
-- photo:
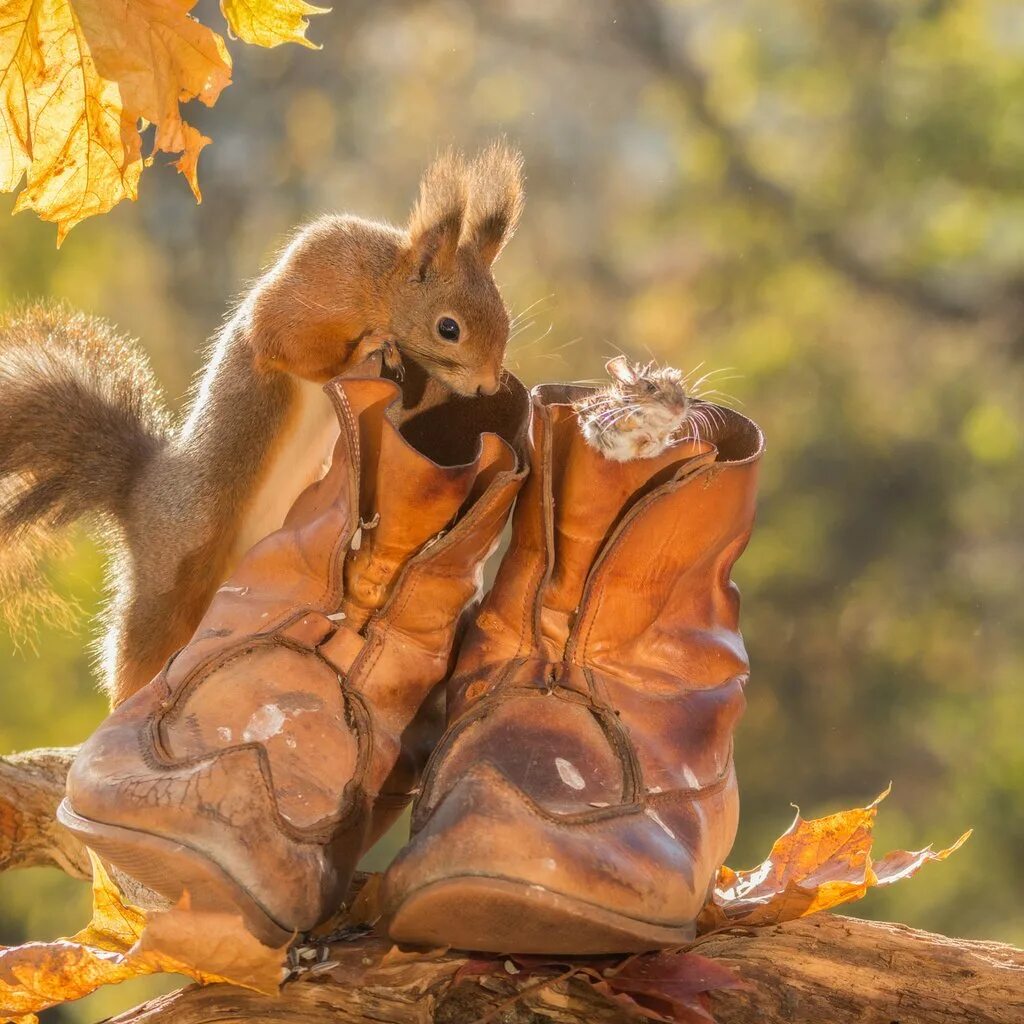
(122, 942)
(396, 955)
(526, 966)
(671, 986)
(900, 864)
(79, 77)
(270, 22)
(815, 865)
(209, 947)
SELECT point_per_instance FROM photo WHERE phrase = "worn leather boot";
(583, 796)
(268, 754)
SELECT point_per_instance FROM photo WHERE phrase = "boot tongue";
(591, 495)
(407, 499)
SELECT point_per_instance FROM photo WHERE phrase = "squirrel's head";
(448, 312)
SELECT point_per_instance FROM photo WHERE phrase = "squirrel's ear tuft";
(436, 222)
(496, 199)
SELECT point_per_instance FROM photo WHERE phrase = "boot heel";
(170, 868)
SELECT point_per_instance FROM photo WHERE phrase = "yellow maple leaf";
(270, 22)
(80, 78)
(815, 865)
(122, 942)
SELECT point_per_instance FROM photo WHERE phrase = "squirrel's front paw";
(393, 358)
(386, 345)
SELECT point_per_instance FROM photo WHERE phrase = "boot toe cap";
(491, 870)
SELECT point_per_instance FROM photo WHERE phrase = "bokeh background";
(827, 198)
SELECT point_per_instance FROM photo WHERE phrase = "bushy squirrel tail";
(81, 415)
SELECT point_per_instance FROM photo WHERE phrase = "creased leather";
(590, 717)
(266, 742)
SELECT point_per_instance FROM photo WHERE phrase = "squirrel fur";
(84, 430)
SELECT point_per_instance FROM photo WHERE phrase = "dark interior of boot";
(737, 438)
(446, 427)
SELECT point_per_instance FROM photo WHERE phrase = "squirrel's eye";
(448, 329)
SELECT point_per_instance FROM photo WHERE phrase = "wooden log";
(824, 969)
(841, 970)
(31, 787)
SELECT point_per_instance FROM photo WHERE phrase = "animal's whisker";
(519, 316)
(566, 344)
(719, 398)
(710, 373)
(519, 328)
(694, 424)
(697, 387)
(710, 415)
(619, 414)
(522, 347)
(690, 373)
(601, 401)
(623, 410)
(648, 406)
(715, 375)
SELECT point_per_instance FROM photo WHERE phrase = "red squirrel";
(84, 429)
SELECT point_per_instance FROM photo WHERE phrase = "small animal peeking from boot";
(84, 429)
(644, 410)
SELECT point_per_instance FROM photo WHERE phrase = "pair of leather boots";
(579, 795)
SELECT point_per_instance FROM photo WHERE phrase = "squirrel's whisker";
(518, 316)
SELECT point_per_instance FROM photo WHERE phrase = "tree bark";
(31, 787)
(825, 969)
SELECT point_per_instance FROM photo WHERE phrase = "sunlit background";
(827, 198)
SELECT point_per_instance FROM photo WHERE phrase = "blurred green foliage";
(828, 198)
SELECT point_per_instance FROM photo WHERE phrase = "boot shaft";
(248, 771)
(374, 563)
(583, 796)
(623, 566)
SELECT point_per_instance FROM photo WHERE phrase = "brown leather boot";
(247, 772)
(583, 796)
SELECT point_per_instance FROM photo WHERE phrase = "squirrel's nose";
(490, 388)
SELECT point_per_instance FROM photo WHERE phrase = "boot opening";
(446, 427)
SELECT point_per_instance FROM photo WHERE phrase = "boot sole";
(171, 868)
(496, 915)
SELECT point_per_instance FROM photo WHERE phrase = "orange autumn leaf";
(815, 865)
(79, 80)
(122, 942)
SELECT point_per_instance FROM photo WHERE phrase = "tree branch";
(31, 786)
(824, 968)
